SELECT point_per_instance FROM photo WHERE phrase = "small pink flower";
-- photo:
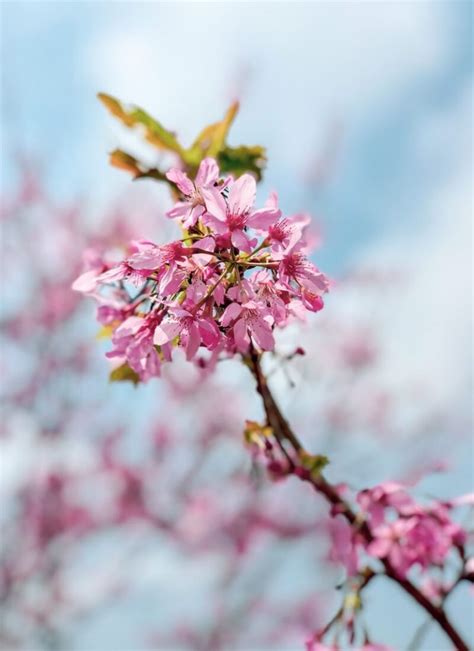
(389, 542)
(148, 256)
(122, 271)
(249, 320)
(271, 294)
(287, 233)
(133, 341)
(295, 267)
(232, 216)
(192, 208)
(193, 330)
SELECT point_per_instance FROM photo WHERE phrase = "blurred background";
(133, 518)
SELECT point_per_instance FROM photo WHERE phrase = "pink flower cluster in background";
(406, 532)
(236, 274)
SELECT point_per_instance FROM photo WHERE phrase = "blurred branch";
(284, 434)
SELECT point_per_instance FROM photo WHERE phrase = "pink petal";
(150, 259)
(240, 241)
(242, 195)
(218, 226)
(215, 203)
(263, 335)
(167, 331)
(208, 172)
(192, 217)
(241, 337)
(180, 209)
(231, 312)
(464, 499)
(129, 327)
(115, 273)
(171, 280)
(194, 341)
(181, 179)
(207, 243)
(209, 333)
(272, 201)
(263, 218)
(86, 282)
(379, 547)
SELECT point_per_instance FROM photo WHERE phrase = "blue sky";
(393, 80)
(378, 73)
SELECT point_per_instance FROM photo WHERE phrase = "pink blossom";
(193, 330)
(249, 320)
(272, 294)
(133, 343)
(232, 216)
(148, 256)
(390, 542)
(286, 233)
(295, 267)
(408, 533)
(122, 271)
(375, 500)
(193, 206)
(218, 294)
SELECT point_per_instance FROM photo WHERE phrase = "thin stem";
(282, 429)
(211, 289)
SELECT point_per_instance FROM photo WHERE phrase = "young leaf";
(238, 160)
(124, 161)
(124, 374)
(116, 109)
(210, 142)
(155, 132)
(255, 433)
(315, 463)
(212, 138)
(105, 332)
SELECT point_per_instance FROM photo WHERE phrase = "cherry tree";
(238, 274)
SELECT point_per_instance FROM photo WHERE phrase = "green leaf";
(210, 142)
(255, 433)
(124, 161)
(155, 132)
(116, 109)
(212, 139)
(315, 463)
(239, 160)
(124, 374)
(105, 332)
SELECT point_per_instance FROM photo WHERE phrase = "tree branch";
(284, 433)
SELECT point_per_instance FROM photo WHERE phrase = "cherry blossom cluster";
(407, 534)
(236, 274)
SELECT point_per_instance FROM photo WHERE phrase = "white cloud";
(428, 325)
(309, 61)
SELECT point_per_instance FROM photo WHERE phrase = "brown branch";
(283, 432)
